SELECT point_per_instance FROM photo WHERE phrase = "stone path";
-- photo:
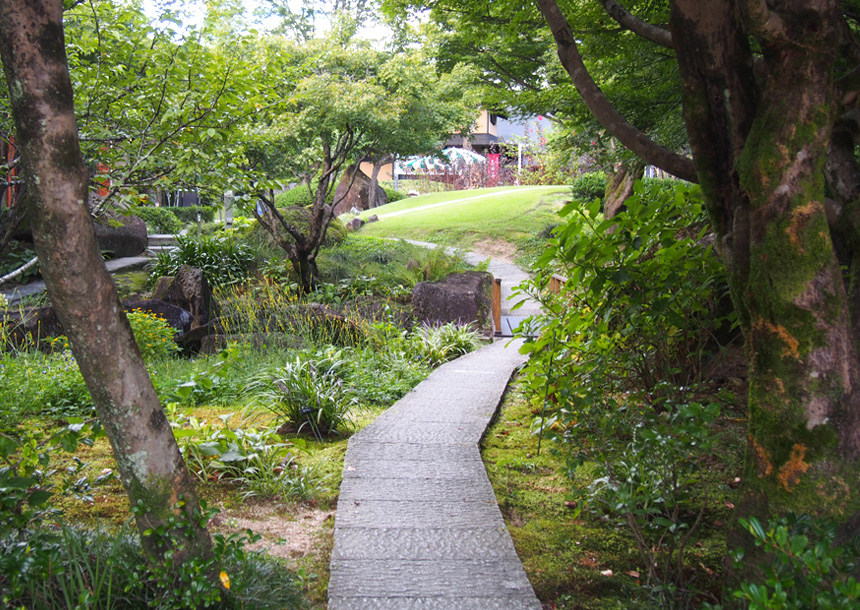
(417, 525)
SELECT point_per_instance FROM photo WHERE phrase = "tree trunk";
(619, 186)
(760, 152)
(81, 290)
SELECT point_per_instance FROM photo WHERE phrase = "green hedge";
(393, 195)
(589, 187)
(158, 220)
(298, 197)
(189, 214)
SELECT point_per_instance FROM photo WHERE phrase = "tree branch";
(648, 31)
(634, 139)
(19, 271)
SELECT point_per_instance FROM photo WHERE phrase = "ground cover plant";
(254, 464)
(502, 216)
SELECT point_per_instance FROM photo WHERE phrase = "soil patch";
(498, 249)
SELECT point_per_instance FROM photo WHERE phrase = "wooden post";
(497, 305)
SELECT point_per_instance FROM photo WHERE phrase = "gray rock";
(355, 224)
(190, 291)
(373, 218)
(178, 318)
(464, 298)
(123, 236)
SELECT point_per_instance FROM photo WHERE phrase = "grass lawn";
(468, 219)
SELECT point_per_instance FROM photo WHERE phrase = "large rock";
(189, 290)
(123, 236)
(357, 194)
(464, 298)
(179, 318)
(30, 327)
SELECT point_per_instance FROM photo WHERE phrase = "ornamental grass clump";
(307, 393)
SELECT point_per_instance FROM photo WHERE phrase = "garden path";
(417, 525)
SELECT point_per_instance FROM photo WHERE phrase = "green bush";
(616, 363)
(436, 345)
(589, 187)
(154, 336)
(393, 195)
(222, 259)
(298, 197)
(188, 214)
(808, 569)
(307, 392)
(158, 220)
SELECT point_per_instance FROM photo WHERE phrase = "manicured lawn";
(467, 218)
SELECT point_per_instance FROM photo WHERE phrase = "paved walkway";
(418, 526)
(14, 293)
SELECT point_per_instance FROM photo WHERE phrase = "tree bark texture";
(619, 186)
(766, 129)
(81, 290)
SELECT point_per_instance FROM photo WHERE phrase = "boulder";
(189, 290)
(123, 236)
(464, 298)
(355, 224)
(373, 218)
(30, 327)
(353, 193)
(179, 318)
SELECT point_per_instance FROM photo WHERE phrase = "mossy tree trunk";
(766, 128)
(619, 186)
(81, 290)
(760, 137)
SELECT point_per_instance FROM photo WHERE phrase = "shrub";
(808, 569)
(15, 257)
(298, 197)
(438, 344)
(158, 220)
(617, 358)
(188, 214)
(306, 392)
(589, 187)
(222, 259)
(393, 194)
(154, 336)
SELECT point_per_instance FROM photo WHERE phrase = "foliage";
(15, 257)
(222, 259)
(188, 214)
(616, 361)
(37, 383)
(259, 460)
(158, 220)
(642, 304)
(145, 127)
(439, 344)
(29, 546)
(153, 334)
(652, 469)
(393, 194)
(209, 383)
(588, 187)
(307, 392)
(299, 196)
(809, 570)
